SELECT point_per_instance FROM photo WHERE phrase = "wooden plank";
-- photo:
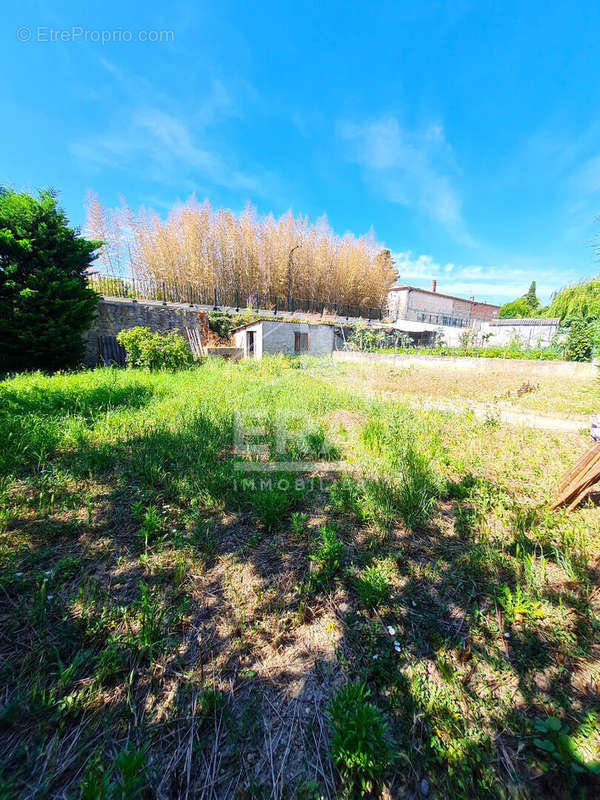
(587, 476)
(577, 467)
(194, 340)
(581, 496)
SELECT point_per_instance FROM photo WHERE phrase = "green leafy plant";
(525, 306)
(125, 779)
(131, 769)
(313, 444)
(299, 520)
(371, 585)
(204, 537)
(418, 489)
(271, 506)
(516, 605)
(407, 486)
(95, 784)
(308, 790)
(154, 350)
(552, 738)
(221, 323)
(468, 339)
(150, 522)
(149, 617)
(577, 300)
(344, 495)
(358, 746)
(327, 559)
(582, 338)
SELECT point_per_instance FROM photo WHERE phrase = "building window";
(300, 342)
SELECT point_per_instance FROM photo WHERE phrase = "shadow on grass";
(156, 641)
(86, 402)
(149, 641)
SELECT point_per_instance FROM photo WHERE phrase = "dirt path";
(502, 414)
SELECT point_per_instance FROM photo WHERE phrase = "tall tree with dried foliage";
(247, 254)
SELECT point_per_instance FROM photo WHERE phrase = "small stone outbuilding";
(279, 336)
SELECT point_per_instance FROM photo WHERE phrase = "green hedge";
(548, 354)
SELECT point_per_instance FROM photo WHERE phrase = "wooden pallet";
(579, 480)
(195, 341)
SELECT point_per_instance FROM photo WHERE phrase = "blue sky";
(467, 134)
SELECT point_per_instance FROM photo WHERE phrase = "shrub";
(579, 299)
(221, 323)
(526, 306)
(358, 746)
(45, 302)
(582, 338)
(154, 350)
(517, 309)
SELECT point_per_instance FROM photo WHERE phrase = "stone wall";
(117, 314)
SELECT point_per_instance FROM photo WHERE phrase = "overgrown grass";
(177, 621)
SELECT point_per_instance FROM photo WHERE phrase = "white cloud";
(494, 284)
(166, 149)
(413, 168)
(171, 148)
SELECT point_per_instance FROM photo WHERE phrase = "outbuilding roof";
(285, 322)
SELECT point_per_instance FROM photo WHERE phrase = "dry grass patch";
(563, 395)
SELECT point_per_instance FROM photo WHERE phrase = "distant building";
(529, 332)
(275, 336)
(433, 307)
